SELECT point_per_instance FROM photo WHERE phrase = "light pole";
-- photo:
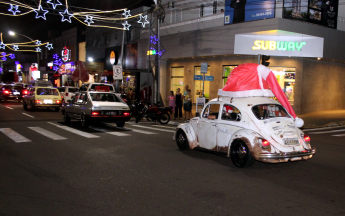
(38, 55)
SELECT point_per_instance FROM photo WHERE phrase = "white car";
(246, 129)
(67, 92)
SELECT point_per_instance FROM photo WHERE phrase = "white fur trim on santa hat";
(263, 71)
(247, 93)
(299, 122)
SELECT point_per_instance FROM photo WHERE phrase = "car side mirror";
(211, 117)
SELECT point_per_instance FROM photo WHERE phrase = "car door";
(230, 121)
(207, 126)
(76, 105)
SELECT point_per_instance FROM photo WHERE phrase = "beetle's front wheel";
(240, 154)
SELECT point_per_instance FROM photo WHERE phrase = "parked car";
(246, 129)
(92, 106)
(67, 92)
(47, 97)
(11, 92)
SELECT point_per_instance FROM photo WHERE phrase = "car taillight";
(58, 101)
(126, 114)
(306, 138)
(6, 92)
(25, 92)
(37, 101)
(94, 113)
(67, 94)
(265, 143)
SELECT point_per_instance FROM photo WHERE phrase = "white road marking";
(110, 132)
(28, 115)
(339, 135)
(16, 137)
(173, 131)
(173, 128)
(8, 107)
(130, 129)
(324, 128)
(48, 134)
(331, 131)
(72, 130)
(143, 132)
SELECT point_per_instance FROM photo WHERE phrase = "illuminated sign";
(278, 45)
(112, 57)
(151, 52)
(65, 54)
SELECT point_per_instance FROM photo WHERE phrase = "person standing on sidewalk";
(171, 100)
(187, 105)
(178, 103)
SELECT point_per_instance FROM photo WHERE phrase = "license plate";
(111, 113)
(291, 141)
(48, 101)
(16, 93)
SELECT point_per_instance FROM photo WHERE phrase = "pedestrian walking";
(187, 105)
(186, 88)
(171, 100)
(178, 104)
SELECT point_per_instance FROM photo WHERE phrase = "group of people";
(178, 100)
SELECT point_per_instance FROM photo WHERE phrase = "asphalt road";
(51, 168)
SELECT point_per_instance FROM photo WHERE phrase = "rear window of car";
(105, 97)
(8, 87)
(99, 87)
(61, 89)
(266, 111)
(47, 91)
(72, 90)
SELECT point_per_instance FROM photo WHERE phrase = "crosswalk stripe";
(164, 126)
(48, 134)
(16, 137)
(72, 130)
(154, 128)
(143, 132)
(339, 135)
(130, 129)
(28, 115)
(331, 131)
(110, 132)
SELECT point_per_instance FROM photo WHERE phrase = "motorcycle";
(142, 110)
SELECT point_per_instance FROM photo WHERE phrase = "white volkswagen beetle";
(246, 129)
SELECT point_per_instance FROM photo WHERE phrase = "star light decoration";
(0, 70)
(126, 26)
(54, 3)
(38, 42)
(49, 46)
(4, 58)
(2, 45)
(143, 20)
(38, 49)
(12, 56)
(126, 13)
(15, 47)
(40, 13)
(14, 9)
(66, 14)
(55, 56)
(89, 20)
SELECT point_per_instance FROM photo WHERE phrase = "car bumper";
(48, 105)
(289, 155)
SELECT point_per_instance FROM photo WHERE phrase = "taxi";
(96, 106)
(42, 96)
(246, 129)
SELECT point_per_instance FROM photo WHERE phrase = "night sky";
(38, 28)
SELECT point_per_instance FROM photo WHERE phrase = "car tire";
(33, 107)
(66, 118)
(181, 140)
(120, 124)
(240, 154)
(85, 123)
(57, 109)
(164, 118)
(25, 106)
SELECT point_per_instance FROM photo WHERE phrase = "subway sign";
(278, 43)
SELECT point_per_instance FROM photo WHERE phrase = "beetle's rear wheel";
(182, 141)
(240, 154)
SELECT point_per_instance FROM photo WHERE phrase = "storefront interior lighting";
(90, 59)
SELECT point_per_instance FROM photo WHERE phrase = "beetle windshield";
(106, 97)
(265, 111)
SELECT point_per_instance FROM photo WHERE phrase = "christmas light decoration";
(153, 39)
(54, 3)
(12, 56)
(89, 20)
(40, 13)
(126, 13)
(2, 45)
(1, 70)
(4, 58)
(14, 9)
(15, 47)
(55, 56)
(66, 14)
(49, 46)
(38, 49)
(38, 42)
(55, 68)
(143, 20)
(126, 26)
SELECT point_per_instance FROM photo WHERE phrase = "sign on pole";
(204, 68)
(117, 71)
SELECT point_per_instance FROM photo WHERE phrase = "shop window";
(226, 72)
(198, 84)
(286, 79)
(177, 74)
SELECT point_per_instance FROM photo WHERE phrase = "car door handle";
(216, 125)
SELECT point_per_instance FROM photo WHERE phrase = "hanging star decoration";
(55, 68)
(126, 13)
(66, 14)
(38, 49)
(4, 58)
(2, 45)
(126, 26)
(89, 20)
(0, 70)
(38, 42)
(12, 56)
(55, 56)
(40, 13)
(143, 20)
(15, 47)
(14, 9)
(153, 39)
(49, 46)
(54, 3)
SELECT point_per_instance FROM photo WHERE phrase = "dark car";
(10, 92)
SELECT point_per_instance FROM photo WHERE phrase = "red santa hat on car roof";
(254, 80)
